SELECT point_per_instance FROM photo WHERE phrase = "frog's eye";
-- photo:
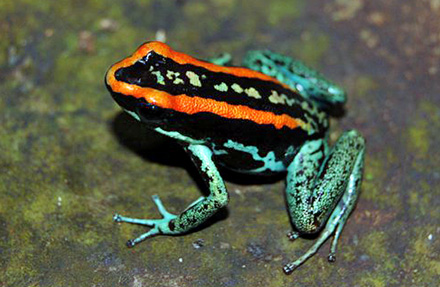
(151, 113)
(128, 76)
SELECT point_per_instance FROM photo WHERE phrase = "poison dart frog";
(269, 116)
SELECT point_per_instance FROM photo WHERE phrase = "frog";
(268, 116)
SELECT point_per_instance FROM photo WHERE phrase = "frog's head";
(134, 81)
(304, 80)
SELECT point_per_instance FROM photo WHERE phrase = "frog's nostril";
(119, 74)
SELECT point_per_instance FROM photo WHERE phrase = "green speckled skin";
(322, 184)
(315, 184)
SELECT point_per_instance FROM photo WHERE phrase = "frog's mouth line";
(124, 101)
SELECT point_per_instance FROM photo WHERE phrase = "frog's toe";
(117, 218)
(167, 216)
(130, 243)
(289, 268)
(152, 232)
(332, 257)
(292, 235)
(162, 208)
(120, 219)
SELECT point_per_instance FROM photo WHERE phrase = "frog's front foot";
(158, 226)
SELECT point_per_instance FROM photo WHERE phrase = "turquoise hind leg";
(322, 190)
(306, 81)
(225, 59)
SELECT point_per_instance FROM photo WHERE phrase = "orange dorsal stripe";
(191, 105)
(182, 58)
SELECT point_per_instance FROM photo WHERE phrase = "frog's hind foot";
(289, 268)
(333, 227)
(158, 226)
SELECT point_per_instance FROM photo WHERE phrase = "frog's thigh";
(315, 183)
(203, 208)
(306, 81)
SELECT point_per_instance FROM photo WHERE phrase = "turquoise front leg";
(197, 212)
(322, 188)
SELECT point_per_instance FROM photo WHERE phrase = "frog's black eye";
(150, 113)
(128, 75)
(149, 110)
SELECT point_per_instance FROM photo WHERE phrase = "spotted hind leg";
(322, 190)
(306, 81)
